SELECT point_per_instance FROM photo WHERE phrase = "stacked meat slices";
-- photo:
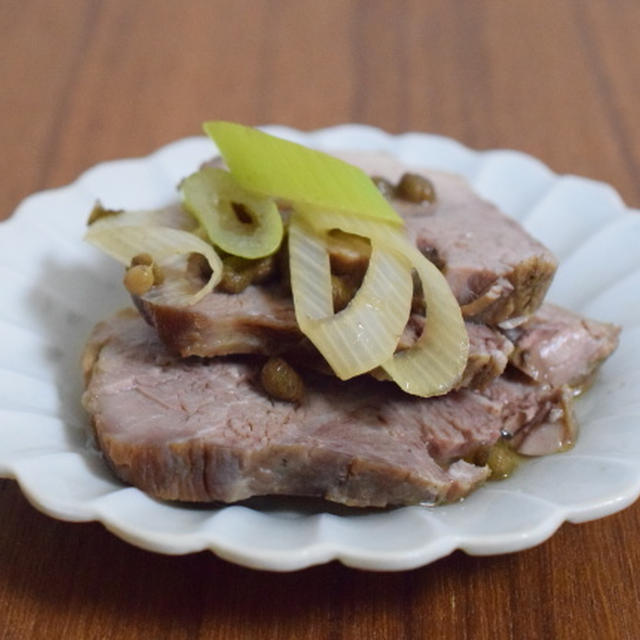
(202, 428)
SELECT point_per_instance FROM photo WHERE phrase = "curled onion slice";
(366, 332)
(173, 216)
(213, 197)
(170, 249)
(435, 363)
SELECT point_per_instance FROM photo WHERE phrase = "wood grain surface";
(83, 82)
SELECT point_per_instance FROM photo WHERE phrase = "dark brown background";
(83, 82)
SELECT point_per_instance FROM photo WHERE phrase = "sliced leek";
(435, 363)
(278, 168)
(172, 216)
(366, 332)
(212, 196)
(170, 249)
(236, 212)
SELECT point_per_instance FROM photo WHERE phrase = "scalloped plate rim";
(321, 551)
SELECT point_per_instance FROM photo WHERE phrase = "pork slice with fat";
(494, 267)
(261, 320)
(496, 270)
(203, 430)
(558, 347)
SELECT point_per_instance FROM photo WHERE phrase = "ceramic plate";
(55, 288)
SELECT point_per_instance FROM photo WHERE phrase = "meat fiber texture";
(556, 346)
(496, 270)
(261, 320)
(203, 430)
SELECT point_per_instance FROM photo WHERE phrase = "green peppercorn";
(281, 381)
(415, 188)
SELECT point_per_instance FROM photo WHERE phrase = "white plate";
(54, 288)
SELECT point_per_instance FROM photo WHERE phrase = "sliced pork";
(261, 320)
(185, 429)
(536, 419)
(178, 408)
(494, 267)
(558, 347)
(202, 430)
(496, 270)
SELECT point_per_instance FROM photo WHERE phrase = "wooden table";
(84, 82)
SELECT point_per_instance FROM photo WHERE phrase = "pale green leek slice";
(281, 169)
(170, 249)
(170, 216)
(366, 332)
(435, 363)
(212, 195)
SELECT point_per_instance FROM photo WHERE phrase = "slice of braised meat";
(558, 347)
(494, 267)
(536, 419)
(203, 430)
(496, 270)
(196, 430)
(261, 320)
